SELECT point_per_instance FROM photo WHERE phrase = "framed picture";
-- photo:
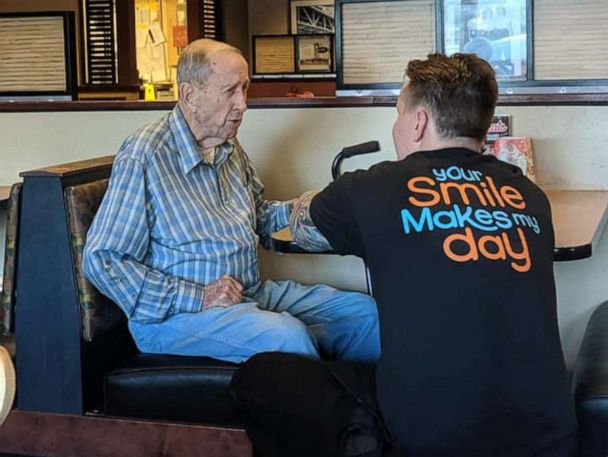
(273, 54)
(314, 53)
(310, 17)
(499, 31)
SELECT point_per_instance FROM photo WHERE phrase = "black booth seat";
(75, 352)
(174, 388)
(591, 385)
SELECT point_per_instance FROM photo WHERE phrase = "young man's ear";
(421, 122)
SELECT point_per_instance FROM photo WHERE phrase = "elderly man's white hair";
(194, 63)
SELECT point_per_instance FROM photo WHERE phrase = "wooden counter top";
(5, 192)
(579, 217)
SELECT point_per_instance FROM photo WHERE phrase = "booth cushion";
(8, 284)
(192, 389)
(591, 385)
(99, 314)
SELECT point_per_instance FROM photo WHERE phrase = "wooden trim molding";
(96, 165)
(286, 102)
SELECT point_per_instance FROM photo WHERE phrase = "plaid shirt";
(171, 223)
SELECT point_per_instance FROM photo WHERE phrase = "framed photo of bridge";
(312, 17)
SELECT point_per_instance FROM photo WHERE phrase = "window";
(100, 41)
(536, 47)
(376, 39)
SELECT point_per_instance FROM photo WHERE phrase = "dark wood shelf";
(285, 102)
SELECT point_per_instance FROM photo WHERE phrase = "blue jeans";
(281, 316)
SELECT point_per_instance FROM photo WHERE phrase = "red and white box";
(516, 150)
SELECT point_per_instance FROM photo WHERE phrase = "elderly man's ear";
(186, 95)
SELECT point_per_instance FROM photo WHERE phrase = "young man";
(460, 250)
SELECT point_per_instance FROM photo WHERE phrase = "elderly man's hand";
(225, 292)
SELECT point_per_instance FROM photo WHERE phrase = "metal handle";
(350, 151)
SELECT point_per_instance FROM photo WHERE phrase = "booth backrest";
(99, 315)
(7, 310)
(68, 335)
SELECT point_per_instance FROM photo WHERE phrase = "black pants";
(300, 407)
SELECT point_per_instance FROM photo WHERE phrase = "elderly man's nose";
(241, 102)
(240, 99)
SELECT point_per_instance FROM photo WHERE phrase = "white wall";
(293, 150)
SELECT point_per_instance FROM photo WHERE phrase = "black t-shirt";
(460, 250)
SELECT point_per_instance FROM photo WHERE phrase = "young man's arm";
(303, 229)
(325, 219)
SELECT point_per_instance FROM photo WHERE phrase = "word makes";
(460, 217)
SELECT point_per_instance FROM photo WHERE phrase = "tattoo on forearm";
(303, 229)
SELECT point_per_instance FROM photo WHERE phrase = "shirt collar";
(189, 152)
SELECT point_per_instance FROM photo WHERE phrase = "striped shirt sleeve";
(116, 247)
(271, 215)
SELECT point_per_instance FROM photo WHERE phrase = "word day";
(467, 200)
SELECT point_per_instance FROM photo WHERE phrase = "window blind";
(33, 54)
(570, 39)
(379, 38)
(100, 35)
(210, 19)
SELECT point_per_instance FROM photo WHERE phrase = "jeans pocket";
(146, 337)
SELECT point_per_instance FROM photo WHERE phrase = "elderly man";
(460, 250)
(175, 240)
